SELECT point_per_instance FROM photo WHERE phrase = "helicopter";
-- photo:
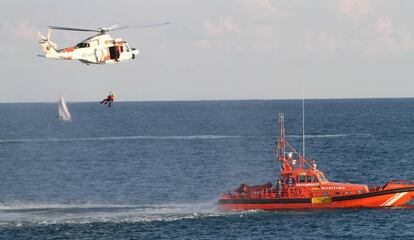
(100, 48)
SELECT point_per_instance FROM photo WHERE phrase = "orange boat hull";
(386, 198)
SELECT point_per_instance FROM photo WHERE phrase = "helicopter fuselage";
(98, 49)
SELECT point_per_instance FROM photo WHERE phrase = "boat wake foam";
(332, 135)
(140, 137)
(117, 138)
(43, 214)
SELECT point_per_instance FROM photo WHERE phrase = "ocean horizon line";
(217, 100)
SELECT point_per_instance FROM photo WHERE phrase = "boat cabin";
(299, 181)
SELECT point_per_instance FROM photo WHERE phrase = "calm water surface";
(155, 170)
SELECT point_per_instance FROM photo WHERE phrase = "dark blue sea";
(155, 170)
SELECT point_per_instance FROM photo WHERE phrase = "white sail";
(63, 111)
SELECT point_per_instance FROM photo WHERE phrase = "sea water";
(155, 170)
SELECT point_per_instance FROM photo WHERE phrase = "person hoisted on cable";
(109, 100)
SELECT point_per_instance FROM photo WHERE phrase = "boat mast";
(281, 142)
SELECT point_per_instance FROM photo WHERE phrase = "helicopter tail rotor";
(42, 37)
(48, 47)
(49, 32)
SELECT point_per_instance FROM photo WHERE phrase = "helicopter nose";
(134, 53)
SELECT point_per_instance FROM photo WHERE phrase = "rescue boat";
(302, 185)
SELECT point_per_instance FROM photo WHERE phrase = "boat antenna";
(303, 119)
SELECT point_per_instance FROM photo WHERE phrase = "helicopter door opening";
(114, 52)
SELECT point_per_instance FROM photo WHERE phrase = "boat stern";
(403, 192)
(394, 184)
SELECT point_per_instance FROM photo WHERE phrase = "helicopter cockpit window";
(83, 45)
(127, 48)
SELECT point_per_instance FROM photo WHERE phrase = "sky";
(214, 50)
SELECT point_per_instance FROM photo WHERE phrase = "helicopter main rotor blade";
(73, 29)
(112, 27)
(117, 28)
(152, 25)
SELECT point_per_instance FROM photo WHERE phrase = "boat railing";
(375, 188)
(404, 182)
(265, 193)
